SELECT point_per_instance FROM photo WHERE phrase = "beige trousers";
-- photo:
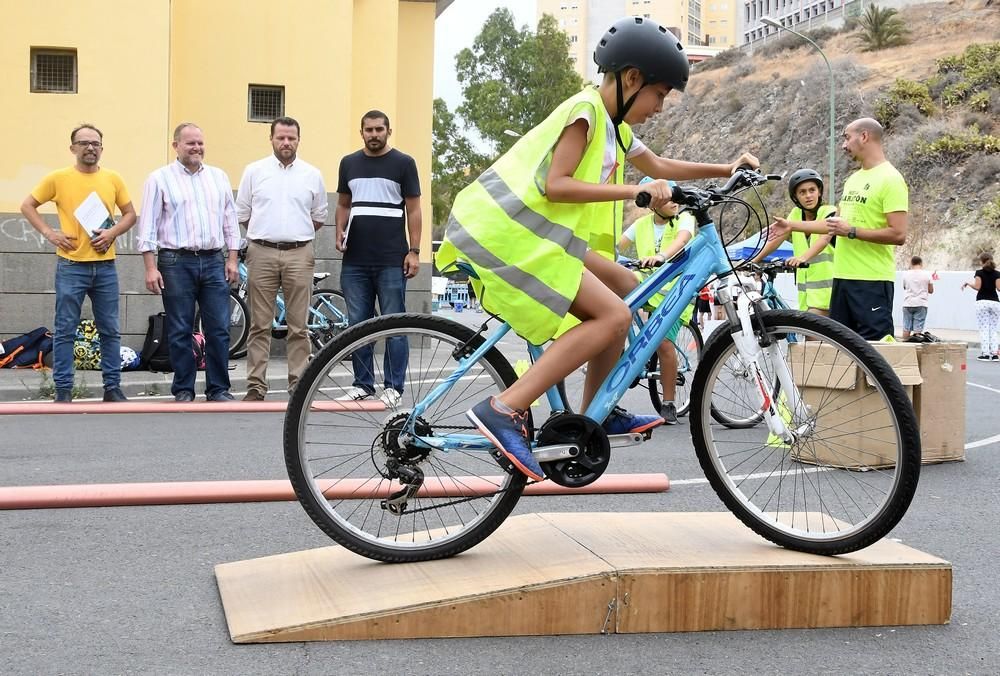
(267, 270)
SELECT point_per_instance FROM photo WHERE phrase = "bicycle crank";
(580, 431)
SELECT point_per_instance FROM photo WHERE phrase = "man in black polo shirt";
(378, 204)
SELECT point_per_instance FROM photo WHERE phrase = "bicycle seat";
(467, 269)
(320, 276)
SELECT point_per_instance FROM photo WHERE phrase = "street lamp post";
(831, 192)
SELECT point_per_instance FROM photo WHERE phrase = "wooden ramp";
(549, 574)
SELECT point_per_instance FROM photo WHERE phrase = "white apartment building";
(692, 21)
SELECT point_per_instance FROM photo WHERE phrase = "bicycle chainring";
(581, 431)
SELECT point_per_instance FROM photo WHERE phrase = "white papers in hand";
(92, 214)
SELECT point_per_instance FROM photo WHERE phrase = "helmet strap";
(623, 108)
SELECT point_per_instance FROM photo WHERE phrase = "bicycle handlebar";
(691, 196)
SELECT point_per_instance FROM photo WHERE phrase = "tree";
(512, 79)
(453, 162)
(882, 28)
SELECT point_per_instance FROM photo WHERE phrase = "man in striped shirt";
(189, 240)
(378, 205)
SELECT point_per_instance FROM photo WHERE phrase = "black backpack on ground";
(155, 353)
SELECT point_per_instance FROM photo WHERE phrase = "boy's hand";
(745, 158)
(659, 191)
(650, 261)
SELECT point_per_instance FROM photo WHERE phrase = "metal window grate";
(265, 103)
(53, 70)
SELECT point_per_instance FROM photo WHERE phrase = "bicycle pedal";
(628, 439)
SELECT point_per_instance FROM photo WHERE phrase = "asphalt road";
(131, 590)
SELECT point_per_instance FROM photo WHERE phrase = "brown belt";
(281, 246)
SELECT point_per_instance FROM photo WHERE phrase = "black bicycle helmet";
(799, 177)
(635, 42)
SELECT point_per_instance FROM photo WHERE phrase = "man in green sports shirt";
(871, 221)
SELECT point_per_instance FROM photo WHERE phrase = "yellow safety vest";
(645, 246)
(815, 282)
(528, 251)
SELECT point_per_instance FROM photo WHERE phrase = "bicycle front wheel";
(327, 317)
(688, 345)
(849, 474)
(239, 326)
(343, 457)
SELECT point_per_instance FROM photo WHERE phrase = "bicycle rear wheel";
(340, 461)
(688, 345)
(849, 475)
(327, 317)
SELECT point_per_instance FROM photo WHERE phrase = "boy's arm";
(770, 247)
(560, 186)
(819, 243)
(653, 165)
(683, 237)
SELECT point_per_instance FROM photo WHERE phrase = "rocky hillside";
(944, 133)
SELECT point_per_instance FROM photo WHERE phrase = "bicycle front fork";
(752, 343)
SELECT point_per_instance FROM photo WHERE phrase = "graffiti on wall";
(18, 229)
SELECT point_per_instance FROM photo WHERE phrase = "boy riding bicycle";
(524, 227)
(657, 237)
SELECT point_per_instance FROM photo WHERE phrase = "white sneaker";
(391, 397)
(355, 394)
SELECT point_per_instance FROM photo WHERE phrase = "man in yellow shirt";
(872, 221)
(86, 255)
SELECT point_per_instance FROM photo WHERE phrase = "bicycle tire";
(320, 335)
(729, 408)
(682, 400)
(767, 483)
(314, 461)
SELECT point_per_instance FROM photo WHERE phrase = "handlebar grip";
(803, 265)
(745, 166)
(643, 199)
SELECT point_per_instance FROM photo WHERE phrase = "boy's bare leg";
(668, 370)
(599, 339)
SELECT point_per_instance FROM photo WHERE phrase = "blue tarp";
(750, 246)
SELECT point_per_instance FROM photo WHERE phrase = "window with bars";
(53, 70)
(265, 103)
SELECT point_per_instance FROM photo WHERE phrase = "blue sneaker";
(509, 433)
(620, 421)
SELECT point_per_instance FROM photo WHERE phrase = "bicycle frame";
(315, 320)
(702, 259)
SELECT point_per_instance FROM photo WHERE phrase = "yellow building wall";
(299, 44)
(413, 117)
(122, 81)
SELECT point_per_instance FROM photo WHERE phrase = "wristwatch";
(852, 233)
(414, 249)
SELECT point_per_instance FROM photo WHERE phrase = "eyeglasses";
(87, 144)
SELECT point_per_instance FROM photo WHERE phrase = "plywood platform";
(547, 574)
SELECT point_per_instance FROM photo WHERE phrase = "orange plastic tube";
(48, 407)
(206, 492)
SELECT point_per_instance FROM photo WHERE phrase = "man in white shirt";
(917, 286)
(281, 202)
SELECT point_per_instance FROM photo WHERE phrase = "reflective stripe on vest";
(528, 251)
(815, 283)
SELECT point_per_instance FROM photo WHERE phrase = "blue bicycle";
(416, 481)
(327, 313)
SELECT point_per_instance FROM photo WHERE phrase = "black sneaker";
(984, 357)
(64, 396)
(114, 394)
(669, 413)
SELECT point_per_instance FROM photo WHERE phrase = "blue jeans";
(75, 281)
(361, 284)
(201, 279)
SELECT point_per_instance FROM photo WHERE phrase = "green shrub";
(950, 147)
(979, 68)
(990, 213)
(903, 91)
(980, 101)
(956, 93)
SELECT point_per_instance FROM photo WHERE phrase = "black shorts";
(703, 306)
(863, 306)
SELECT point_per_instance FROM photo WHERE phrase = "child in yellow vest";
(805, 188)
(657, 237)
(524, 227)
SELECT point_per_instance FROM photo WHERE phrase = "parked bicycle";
(417, 481)
(327, 313)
